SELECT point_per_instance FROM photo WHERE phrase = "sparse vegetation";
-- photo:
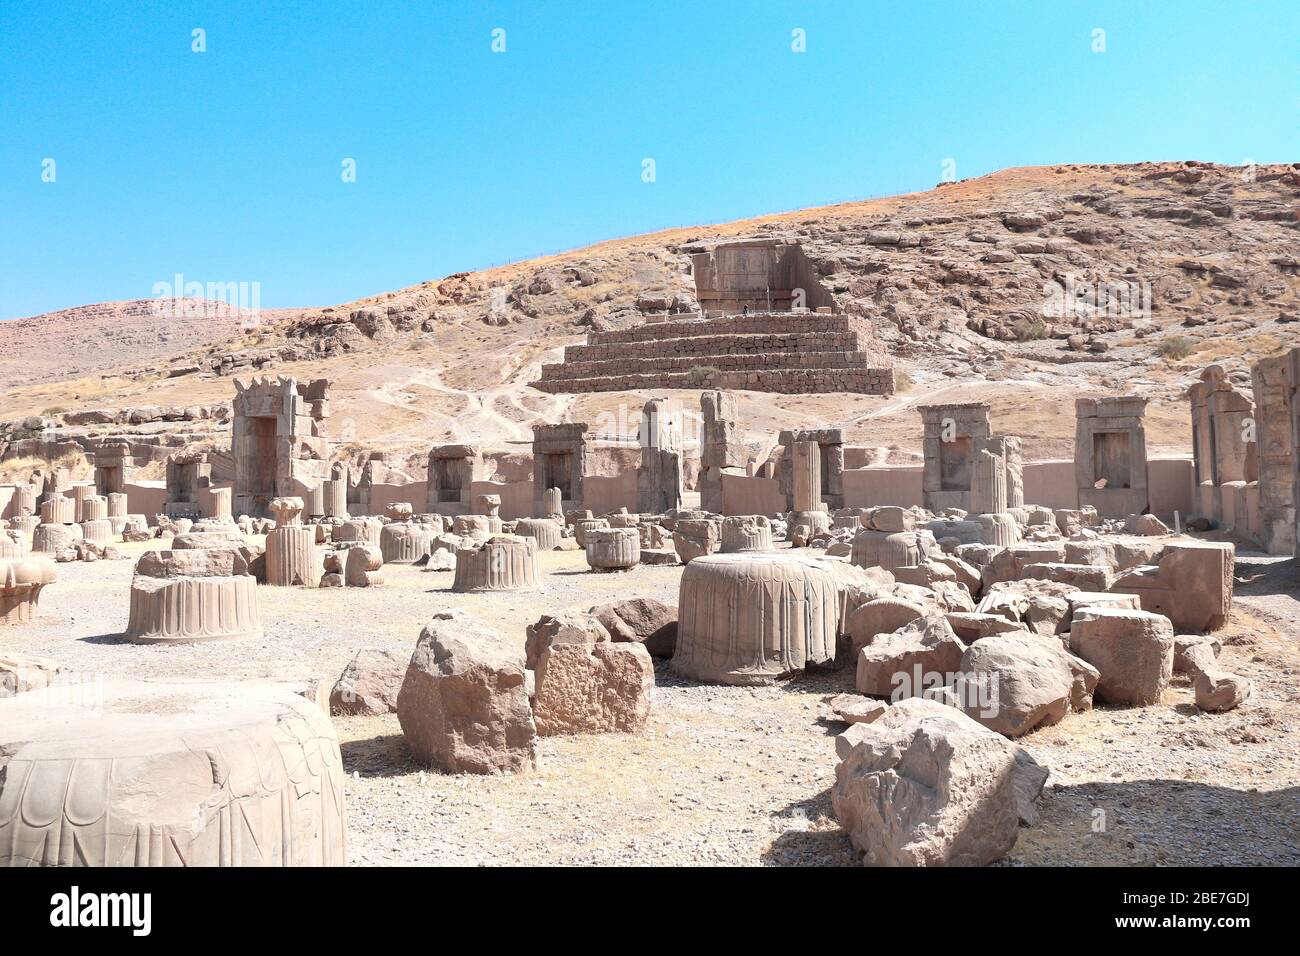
(902, 381)
(1030, 329)
(52, 411)
(1175, 348)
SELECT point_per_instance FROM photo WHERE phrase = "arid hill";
(1024, 288)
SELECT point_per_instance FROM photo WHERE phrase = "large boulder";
(1015, 683)
(645, 621)
(464, 703)
(925, 785)
(593, 688)
(1132, 650)
(918, 656)
(370, 683)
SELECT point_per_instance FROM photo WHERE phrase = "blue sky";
(225, 166)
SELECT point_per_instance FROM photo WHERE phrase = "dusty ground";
(730, 775)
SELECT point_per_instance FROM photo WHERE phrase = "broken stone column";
(613, 549)
(988, 490)
(489, 506)
(291, 556)
(1015, 472)
(221, 507)
(545, 530)
(21, 581)
(192, 595)
(552, 505)
(754, 618)
(502, 563)
(314, 501)
(117, 504)
(335, 491)
(185, 773)
(659, 479)
(741, 533)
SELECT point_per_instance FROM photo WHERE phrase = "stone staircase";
(766, 352)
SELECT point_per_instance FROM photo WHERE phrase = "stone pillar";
(552, 505)
(1276, 451)
(806, 460)
(314, 501)
(221, 504)
(988, 492)
(1015, 469)
(26, 500)
(336, 497)
(117, 505)
(79, 495)
(659, 479)
(720, 447)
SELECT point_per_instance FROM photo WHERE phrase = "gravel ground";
(730, 775)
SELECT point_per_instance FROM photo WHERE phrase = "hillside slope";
(965, 284)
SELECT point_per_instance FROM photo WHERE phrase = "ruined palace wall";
(516, 496)
(743, 495)
(146, 498)
(1051, 483)
(1171, 486)
(602, 494)
(888, 485)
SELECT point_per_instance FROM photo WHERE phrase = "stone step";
(704, 345)
(766, 323)
(764, 362)
(869, 381)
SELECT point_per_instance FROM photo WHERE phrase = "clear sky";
(226, 165)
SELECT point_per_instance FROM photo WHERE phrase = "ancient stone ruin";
(767, 325)
(241, 773)
(278, 441)
(1110, 455)
(966, 466)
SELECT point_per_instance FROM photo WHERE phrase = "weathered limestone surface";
(646, 621)
(1191, 584)
(363, 566)
(754, 618)
(901, 664)
(1133, 650)
(370, 683)
(192, 595)
(924, 785)
(592, 688)
(463, 706)
(179, 773)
